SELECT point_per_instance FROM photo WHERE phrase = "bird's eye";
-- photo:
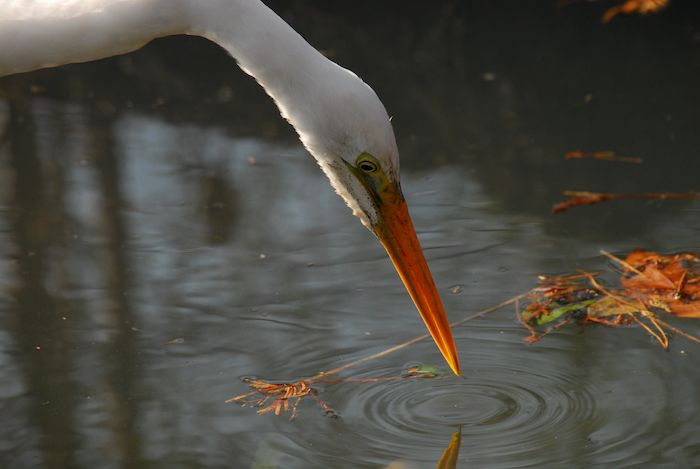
(367, 166)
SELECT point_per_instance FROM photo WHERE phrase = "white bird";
(339, 118)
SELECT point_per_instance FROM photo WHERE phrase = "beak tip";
(454, 366)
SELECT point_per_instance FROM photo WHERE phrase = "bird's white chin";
(351, 190)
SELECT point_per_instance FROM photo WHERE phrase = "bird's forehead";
(348, 122)
(377, 141)
(389, 163)
(366, 127)
(351, 144)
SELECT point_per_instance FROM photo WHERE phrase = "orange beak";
(397, 235)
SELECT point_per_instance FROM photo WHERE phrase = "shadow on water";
(47, 322)
(44, 339)
(162, 232)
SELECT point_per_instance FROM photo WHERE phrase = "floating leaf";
(650, 284)
(539, 317)
(421, 372)
(608, 306)
(671, 283)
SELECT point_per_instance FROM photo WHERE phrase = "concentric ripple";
(516, 407)
(484, 399)
(501, 411)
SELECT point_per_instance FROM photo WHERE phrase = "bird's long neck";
(303, 83)
(263, 44)
(47, 34)
(307, 87)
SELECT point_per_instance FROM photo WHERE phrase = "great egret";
(339, 119)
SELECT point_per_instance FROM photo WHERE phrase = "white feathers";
(336, 115)
(43, 33)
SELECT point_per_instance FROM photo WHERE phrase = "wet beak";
(396, 233)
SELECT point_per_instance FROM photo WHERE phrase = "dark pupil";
(367, 167)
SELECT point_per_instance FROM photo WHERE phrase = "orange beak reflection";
(397, 235)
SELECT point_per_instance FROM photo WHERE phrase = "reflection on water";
(162, 233)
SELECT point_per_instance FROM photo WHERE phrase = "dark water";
(146, 264)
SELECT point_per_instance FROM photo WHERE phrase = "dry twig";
(601, 155)
(591, 198)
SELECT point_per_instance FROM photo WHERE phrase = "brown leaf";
(607, 307)
(653, 279)
(685, 310)
(671, 281)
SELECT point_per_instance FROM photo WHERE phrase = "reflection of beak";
(395, 230)
(451, 455)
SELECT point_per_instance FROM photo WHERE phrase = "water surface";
(163, 233)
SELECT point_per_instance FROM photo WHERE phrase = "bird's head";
(364, 170)
(346, 128)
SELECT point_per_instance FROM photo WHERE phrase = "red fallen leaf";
(669, 282)
(652, 279)
(682, 267)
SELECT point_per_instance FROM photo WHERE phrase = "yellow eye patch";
(367, 163)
